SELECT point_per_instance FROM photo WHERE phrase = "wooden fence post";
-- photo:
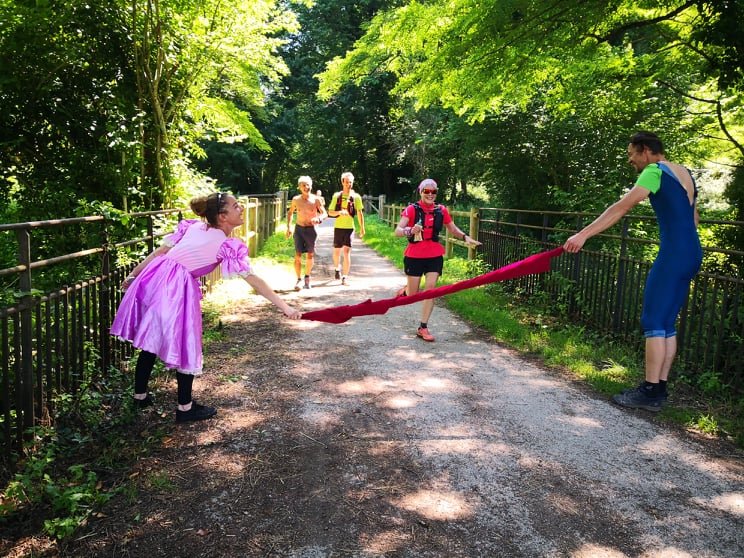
(253, 225)
(474, 230)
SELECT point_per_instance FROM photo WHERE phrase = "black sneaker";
(307, 282)
(148, 401)
(337, 275)
(638, 399)
(197, 412)
(664, 395)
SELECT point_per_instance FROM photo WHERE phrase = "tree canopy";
(104, 100)
(579, 73)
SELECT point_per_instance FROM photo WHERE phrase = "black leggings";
(143, 370)
(185, 382)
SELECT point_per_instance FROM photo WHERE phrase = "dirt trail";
(360, 440)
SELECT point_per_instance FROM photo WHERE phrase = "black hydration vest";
(350, 207)
(438, 220)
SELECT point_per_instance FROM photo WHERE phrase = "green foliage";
(722, 22)
(279, 248)
(735, 195)
(56, 474)
(161, 483)
(323, 139)
(711, 383)
(378, 236)
(65, 90)
(102, 99)
(212, 324)
(552, 92)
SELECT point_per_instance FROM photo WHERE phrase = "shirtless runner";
(310, 212)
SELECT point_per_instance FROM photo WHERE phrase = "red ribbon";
(537, 263)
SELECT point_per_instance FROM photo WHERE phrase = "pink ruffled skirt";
(161, 313)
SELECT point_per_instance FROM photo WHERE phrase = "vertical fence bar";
(92, 313)
(85, 337)
(105, 302)
(5, 400)
(74, 341)
(575, 276)
(57, 342)
(17, 379)
(39, 384)
(708, 360)
(26, 305)
(151, 232)
(48, 337)
(65, 301)
(620, 276)
(724, 309)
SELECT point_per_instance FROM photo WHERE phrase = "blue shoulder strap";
(665, 169)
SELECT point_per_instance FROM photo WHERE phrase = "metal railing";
(54, 340)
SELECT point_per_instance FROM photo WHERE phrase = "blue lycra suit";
(680, 254)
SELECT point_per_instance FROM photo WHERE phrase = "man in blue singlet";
(673, 193)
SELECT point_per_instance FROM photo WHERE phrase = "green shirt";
(650, 178)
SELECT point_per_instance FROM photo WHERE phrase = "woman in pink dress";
(161, 309)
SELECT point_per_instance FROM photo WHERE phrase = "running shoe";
(639, 399)
(664, 395)
(423, 332)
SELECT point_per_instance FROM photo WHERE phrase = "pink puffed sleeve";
(183, 225)
(233, 256)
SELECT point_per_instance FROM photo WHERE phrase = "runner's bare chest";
(306, 210)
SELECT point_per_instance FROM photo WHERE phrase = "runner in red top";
(421, 223)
